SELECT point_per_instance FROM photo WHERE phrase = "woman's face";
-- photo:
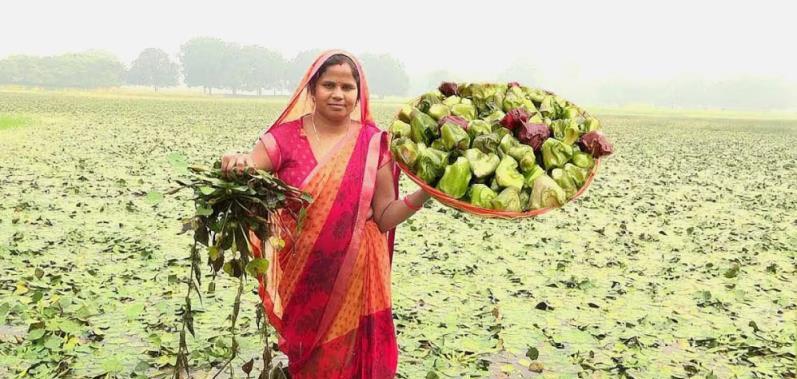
(336, 93)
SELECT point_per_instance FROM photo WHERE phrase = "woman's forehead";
(338, 73)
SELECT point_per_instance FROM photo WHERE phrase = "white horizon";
(584, 41)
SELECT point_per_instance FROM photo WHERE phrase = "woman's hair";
(333, 61)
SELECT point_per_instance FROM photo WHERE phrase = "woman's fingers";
(225, 163)
(235, 163)
(228, 163)
(248, 163)
(240, 164)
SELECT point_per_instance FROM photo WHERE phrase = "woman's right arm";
(238, 162)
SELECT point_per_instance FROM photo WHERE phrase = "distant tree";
(153, 68)
(386, 74)
(91, 69)
(234, 63)
(263, 68)
(19, 69)
(204, 60)
(297, 67)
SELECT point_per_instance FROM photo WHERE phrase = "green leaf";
(204, 211)
(70, 327)
(732, 272)
(532, 353)
(257, 266)
(154, 197)
(35, 334)
(206, 190)
(233, 268)
(134, 310)
(228, 268)
(5, 309)
(213, 253)
(177, 161)
(53, 342)
(112, 365)
(71, 343)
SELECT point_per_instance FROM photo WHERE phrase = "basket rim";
(463, 206)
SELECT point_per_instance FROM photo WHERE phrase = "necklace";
(317, 138)
(312, 121)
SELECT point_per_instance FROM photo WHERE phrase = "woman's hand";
(236, 162)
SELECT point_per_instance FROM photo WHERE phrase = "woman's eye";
(329, 86)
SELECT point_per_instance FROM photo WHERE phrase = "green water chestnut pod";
(454, 137)
(507, 175)
(478, 128)
(423, 128)
(456, 178)
(555, 153)
(400, 129)
(545, 193)
(431, 164)
(438, 111)
(405, 150)
(507, 200)
(564, 180)
(481, 196)
(487, 143)
(482, 165)
(466, 111)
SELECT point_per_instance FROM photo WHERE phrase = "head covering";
(301, 102)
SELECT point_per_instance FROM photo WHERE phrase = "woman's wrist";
(416, 200)
(409, 204)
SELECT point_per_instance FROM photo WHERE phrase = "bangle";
(409, 205)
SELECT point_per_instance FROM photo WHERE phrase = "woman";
(327, 293)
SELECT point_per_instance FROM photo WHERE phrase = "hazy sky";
(589, 39)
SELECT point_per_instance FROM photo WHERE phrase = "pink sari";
(327, 292)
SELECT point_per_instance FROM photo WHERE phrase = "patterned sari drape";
(327, 292)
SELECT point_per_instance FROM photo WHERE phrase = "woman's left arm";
(388, 213)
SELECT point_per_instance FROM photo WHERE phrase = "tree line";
(209, 63)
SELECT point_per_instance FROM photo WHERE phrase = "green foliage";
(386, 75)
(153, 68)
(203, 62)
(262, 68)
(298, 66)
(91, 69)
(229, 208)
(213, 63)
(456, 178)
